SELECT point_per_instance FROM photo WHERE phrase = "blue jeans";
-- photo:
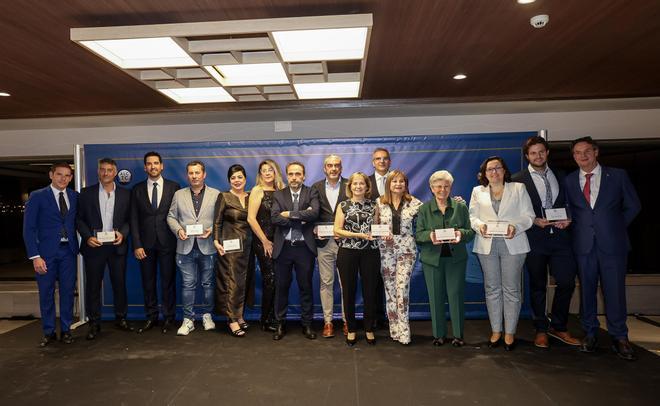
(195, 268)
(502, 283)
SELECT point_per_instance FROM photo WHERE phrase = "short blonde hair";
(440, 175)
(349, 192)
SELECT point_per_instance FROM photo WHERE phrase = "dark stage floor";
(214, 368)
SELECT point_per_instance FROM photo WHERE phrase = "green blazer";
(431, 218)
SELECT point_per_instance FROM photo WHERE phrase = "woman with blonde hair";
(269, 179)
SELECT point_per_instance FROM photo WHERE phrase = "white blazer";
(516, 208)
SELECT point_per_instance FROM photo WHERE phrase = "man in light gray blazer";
(191, 220)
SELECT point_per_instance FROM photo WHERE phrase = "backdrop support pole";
(78, 173)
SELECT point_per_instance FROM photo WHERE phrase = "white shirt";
(56, 192)
(594, 184)
(537, 177)
(332, 192)
(380, 182)
(107, 207)
(159, 188)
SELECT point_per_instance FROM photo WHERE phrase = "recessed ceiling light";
(251, 74)
(4, 94)
(321, 45)
(138, 53)
(198, 95)
(329, 90)
(526, 1)
(460, 76)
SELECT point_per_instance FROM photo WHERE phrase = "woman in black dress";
(235, 268)
(269, 179)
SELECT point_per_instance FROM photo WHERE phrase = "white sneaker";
(207, 319)
(186, 327)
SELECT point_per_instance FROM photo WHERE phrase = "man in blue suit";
(602, 202)
(49, 234)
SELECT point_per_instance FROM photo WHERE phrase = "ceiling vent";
(539, 21)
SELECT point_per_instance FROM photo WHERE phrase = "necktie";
(154, 196)
(63, 210)
(587, 188)
(296, 233)
(547, 204)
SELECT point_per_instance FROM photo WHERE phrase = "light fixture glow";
(4, 94)
(251, 74)
(526, 1)
(329, 90)
(460, 76)
(321, 45)
(198, 95)
(140, 53)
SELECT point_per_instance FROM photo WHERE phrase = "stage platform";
(211, 367)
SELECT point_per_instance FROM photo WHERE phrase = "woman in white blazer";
(498, 199)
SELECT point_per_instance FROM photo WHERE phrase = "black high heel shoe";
(243, 325)
(438, 341)
(372, 340)
(457, 342)
(510, 347)
(350, 342)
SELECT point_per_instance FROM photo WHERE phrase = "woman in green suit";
(444, 258)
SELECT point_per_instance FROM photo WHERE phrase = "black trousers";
(164, 259)
(267, 269)
(301, 259)
(366, 264)
(95, 263)
(558, 258)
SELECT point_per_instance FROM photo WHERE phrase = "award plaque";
(106, 237)
(193, 230)
(497, 228)
(445, 234)
(380, 230)
(556, 214)
(325, 230)
(232, 245)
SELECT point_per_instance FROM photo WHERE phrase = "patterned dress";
(397, 262)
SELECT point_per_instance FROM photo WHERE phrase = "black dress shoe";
(623, 350)
(47, 339)
(308, 332)
(509, 347)
(372, 340)
(588, 344)
(457, 342)
(268, 326)
(494, 344)
(94, 330)
(168, 325)
(67, 338)
(147, 326)
(122, 324)
(280, 332)
(439, 341)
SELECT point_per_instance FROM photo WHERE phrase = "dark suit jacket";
(536, 235)
(149, 225)
(374, 187)
(326, 212)
(303, 218)
(606, 224)
(42, 223)
(89, 217)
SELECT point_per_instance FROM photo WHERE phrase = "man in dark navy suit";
(49, 234)
(104, 208)
(603, 203)
(550, 246)
(154, 245)
(295, 208)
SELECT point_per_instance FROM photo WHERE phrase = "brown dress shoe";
(328, 330)
(541, 340)
(564, 336)
(345, 329)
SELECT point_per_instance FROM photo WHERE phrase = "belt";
(64, 242)
(297, 243)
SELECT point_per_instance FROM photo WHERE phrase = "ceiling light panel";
(240, 60)
(252, 74)
(198, 95)
(140, 53)
(332, 90)
(322, 45)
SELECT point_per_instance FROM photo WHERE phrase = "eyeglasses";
(495, 169)
(267, 170)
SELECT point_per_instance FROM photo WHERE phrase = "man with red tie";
(602, 203)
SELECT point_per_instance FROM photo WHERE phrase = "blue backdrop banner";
(417, 156)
